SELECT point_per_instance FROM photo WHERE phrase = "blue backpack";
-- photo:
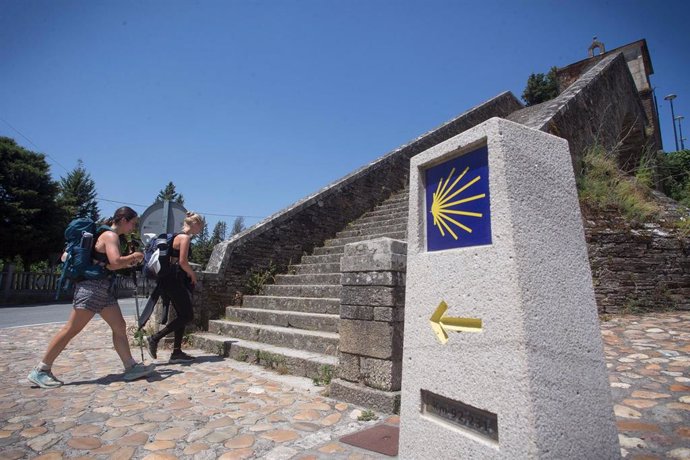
(157, 256)
(80, 237)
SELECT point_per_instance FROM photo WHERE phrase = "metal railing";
(44, 284)
(31, 281)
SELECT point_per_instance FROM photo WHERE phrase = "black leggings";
(175, 288)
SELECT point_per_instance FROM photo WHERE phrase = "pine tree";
(78, 194)
(32, 223)
(237, 226)
(202, 248)
(169, 193)
(219, 232)
(541, 88)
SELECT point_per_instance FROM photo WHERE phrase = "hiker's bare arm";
(185, 240)
(111, 242)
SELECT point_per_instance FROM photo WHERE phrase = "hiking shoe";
(151, 347)
(44, 379)
(137, 371)
(180, 357)
(55, 378)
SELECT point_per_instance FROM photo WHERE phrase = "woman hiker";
(177, 285)
(95, 296)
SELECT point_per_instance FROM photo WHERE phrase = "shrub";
(674, 175)
(602, 185)
(259, 278)
(367, 415)
(325, 376)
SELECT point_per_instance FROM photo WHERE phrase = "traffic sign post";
(161, 217)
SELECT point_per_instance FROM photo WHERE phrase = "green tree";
(541, 88)
(78, 194)
(674, 174)
(32, 223)
(169, 193)
(237, 226)
(219, 232)
(202, 248)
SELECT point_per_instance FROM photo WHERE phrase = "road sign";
(161, 217)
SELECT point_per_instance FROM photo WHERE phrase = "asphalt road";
(28, 315)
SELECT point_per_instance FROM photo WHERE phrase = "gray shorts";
(94, 295)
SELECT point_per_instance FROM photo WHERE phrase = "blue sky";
(248, 106)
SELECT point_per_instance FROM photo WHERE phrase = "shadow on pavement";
(157, 376)
(197, 360)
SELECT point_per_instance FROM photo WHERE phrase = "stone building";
(636, 55)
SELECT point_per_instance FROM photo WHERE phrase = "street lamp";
(670, 99)
(680, 131)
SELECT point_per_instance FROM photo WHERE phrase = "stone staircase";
(293, 325)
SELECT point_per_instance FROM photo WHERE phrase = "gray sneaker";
(55, 378)
(44, 379)
(138, 370)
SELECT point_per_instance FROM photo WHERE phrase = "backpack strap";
(102, 229)
(99, 256)
(172, 251)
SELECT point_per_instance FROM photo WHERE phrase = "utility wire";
(115, 201)
(122, 202)
(200, 212)
(35, 146)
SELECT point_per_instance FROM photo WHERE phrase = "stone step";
(387, 211)
(296, 362)
(333, 267)
(284, 318)
(329, 250)
(403, 195)
(378, 230)
(391, 205)
(324, 305)
(353, 239)
(365, 225)
(303, 290)
(381, 215)
(300, 339)
(380, 218)
(320, 278)
(324, 259)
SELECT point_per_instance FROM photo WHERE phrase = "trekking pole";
(136, 304)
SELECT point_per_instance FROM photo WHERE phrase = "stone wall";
(601, 107)
(637, 268)
(372, 315)
(284, 237)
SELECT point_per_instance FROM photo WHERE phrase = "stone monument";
(503, 356)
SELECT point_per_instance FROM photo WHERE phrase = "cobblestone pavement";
(648, 358)
(217, 408)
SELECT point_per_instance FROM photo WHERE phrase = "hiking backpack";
(80, 237)
(157, 256)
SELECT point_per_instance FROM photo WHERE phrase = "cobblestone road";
(217, 408)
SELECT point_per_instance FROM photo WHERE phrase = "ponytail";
(191, 219)
(125, 212)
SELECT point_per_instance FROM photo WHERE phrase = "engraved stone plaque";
(465, 416)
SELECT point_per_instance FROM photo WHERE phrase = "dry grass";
(603, 185)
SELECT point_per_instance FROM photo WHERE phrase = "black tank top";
(176, 252)
(100, 257)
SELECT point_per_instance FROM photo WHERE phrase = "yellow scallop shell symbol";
(441, 204)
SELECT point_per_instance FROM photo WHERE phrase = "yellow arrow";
(441, 324)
